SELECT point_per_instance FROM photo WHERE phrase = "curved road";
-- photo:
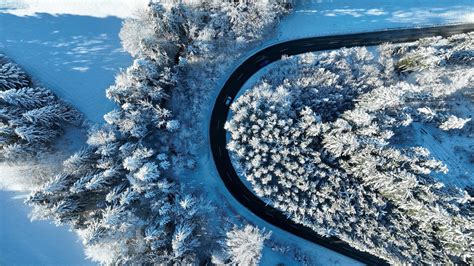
(254, 64)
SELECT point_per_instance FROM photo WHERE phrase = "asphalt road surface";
(260, 60)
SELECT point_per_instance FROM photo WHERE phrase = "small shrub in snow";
(242, 246)
(454, 122)
(172, 125)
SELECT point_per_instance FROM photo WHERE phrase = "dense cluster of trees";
(218, 40)
(122, 193)
(31, 118)
(314, 138)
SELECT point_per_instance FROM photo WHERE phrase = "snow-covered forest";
(124, 192)
(332, 140)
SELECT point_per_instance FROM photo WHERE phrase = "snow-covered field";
(328, 17)
(91, 8)
(72, 47)
(38, 243)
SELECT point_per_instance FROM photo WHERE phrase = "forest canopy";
(326, 138)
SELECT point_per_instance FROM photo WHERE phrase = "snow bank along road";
(260, 60)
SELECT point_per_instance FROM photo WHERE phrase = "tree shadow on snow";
(75, 56)
(322, 17)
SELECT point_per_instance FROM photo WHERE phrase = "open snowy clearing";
(72, 47)
(91, 8)
(77, 63)
(322, 17)
(40, 243)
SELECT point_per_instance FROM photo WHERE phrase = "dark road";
(272, 54)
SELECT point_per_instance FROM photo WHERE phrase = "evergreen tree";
(243, 246)
(12, 77)
(30, 118)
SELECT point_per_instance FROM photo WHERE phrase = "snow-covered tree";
(26, 97)
(454, 122)
(12, 77)
(242, 246)
(31, 118)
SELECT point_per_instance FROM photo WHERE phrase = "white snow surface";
(37, 243)
(329, 17)
(71, 47)
(93, 8)
(206, 177)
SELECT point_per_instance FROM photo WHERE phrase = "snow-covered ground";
(91, 8)
(319, 18)
(328, 17)
(72, 47)
(38, 243)
(207, 178)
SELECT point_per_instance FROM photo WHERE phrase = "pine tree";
(12, 77)
(28, 98)
(31, 118)
(454, 122)
(244, 246)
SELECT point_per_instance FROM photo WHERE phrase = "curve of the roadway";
(271, 54)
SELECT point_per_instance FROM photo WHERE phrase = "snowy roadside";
(307, 21)
(292, 85)
(289, 28)
(336, 17)
(217, 192)
(320, 18)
